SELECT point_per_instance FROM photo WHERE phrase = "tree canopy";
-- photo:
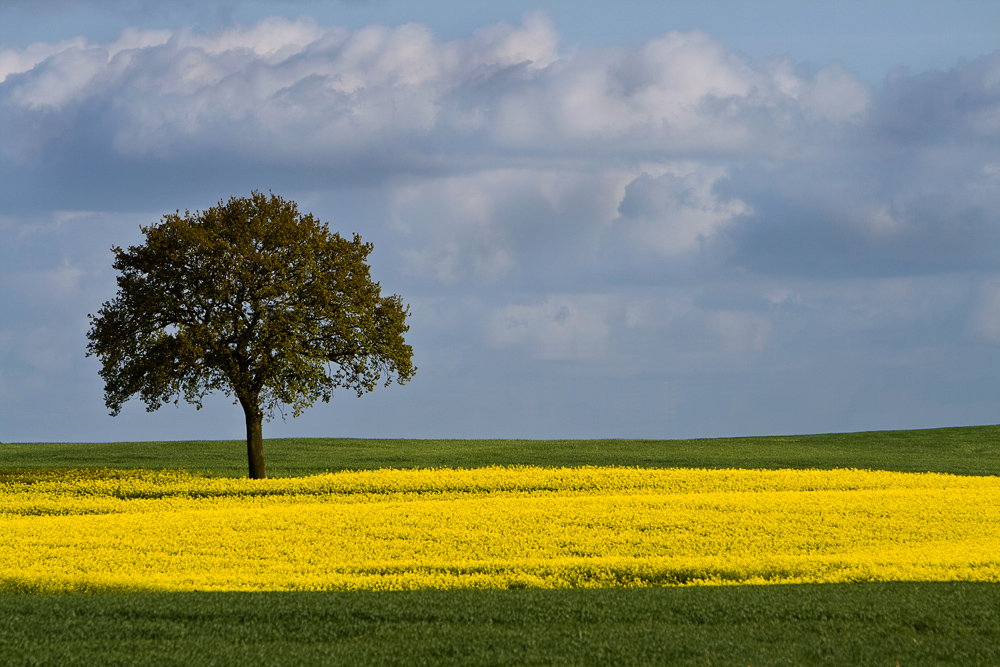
(253, 299)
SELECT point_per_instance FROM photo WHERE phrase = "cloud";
(534, 44)
(64, 71)
(680, 330)
(563, 327)
(284, 91)
(676, 211)
(489, 225)
(935, 107)
(275, 91)
(500, 148)
(632, 332)
(985, 320)
(15, 61)
(867, 212)
(679, 94)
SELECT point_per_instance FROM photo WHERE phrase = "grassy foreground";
(833, 624)
(936, 623)
(960, 451)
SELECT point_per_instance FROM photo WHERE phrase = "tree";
(255, 300)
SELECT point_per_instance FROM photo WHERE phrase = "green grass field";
(856, 624)
(870, 624)
(961, 451)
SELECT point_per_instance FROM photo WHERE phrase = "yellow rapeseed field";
(497, 527)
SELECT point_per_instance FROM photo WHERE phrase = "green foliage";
(969, 450)
(949, 623)
(249, 298)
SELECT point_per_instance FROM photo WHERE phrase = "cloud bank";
(282, 91)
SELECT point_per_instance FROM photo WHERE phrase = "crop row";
(491, 528)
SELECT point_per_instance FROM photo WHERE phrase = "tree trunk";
(255, 439)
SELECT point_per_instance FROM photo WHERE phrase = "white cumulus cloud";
(482, 224)
(674, 211)
(293, 91)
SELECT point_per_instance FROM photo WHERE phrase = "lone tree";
(253, 299)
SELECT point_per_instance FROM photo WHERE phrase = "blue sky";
(632, 219)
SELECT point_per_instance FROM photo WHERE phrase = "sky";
(635, 219)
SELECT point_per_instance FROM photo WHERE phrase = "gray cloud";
(915, 189)
(961, 104)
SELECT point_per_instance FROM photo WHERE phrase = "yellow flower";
(496, 527)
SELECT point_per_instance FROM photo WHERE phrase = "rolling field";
(961, 451)
(107, 562)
